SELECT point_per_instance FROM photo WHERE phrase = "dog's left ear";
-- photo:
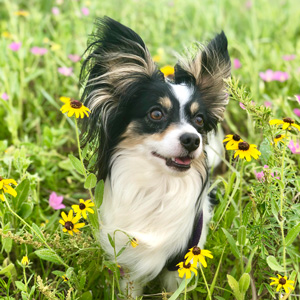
(207, 71)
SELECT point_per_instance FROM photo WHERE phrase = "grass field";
(254, 234)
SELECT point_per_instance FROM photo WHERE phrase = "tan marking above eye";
(165, 102)
(194, 107)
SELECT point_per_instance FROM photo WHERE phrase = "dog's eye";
(156, 115)
(199, 121)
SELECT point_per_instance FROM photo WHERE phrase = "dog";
(151, 136)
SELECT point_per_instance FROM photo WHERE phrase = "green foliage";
(254, 233)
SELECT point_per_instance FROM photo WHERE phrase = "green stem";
(208, 290)
(241, 214)
(185, 289)
(37, 234)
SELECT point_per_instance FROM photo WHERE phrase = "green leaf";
(273, 264)
(8, 271)
(232, 243)
(20, 285)
(22, 193)
(241, 237)
(77, 164)
(87, 296)
(121, 251)
(6, 242)
(25, 210)
(111, 240)
(48, 255)
(249, 263)
(90, 182)
(266, 151)
(99, 193)
(93, 218)
(59, 273)
(52, 219)
(38, 232)
(244, 283)
(291, 236)
(235, 287)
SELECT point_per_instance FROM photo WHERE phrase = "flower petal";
(64, 216)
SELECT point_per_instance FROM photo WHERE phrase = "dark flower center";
(196, 250)
(288, 120)
(75, 104)
(82, 206)
(282, 281)
(186, 266)
(69, 225)
(236, 137)
(278, 136)
(244, 146)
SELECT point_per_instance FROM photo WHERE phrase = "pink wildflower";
(15, 46)
(56, 201)
(298, 98)
(260, 176)
(65, 71)
(266, 76)
(38, 51)
(289, 57)
(268, 104)
(280, 76)
(74, 57)
(4, 96)
(242, 105)
(294, 147)
(248, 4)
(237, 64)
(55, 10)
(297, 112)
(85, 11)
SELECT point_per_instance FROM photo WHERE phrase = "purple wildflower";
(294, 147)
(55, 10)
(297, 112)
(74, 57)
(4, 96)
(268, 104)
(85, 11)
(65, 71)
(242, 105)
(38, 51)
(280, 76)
(15, 46)
(298, 98)
(260, 176)
(289, 57)
(237, 64)
(56, 201)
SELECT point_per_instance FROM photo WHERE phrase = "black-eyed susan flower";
(186, 269)
(246, 150)
(232, 141)
(83, 207)
(198, 255)
(65, 278)
(168, 71)
(70, 223)
(6, 188)
(25, 261)
(74, 107)
(279, 138)
(282, 282)
(286, 123)
(134, 242)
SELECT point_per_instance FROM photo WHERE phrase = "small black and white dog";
(152, 136)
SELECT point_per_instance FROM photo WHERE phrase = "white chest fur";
(155, 207)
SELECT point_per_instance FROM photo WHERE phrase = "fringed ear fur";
(117, 59)
(207, 71)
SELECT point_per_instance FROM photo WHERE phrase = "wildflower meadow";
(49, 194)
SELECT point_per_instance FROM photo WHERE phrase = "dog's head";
(134, 107)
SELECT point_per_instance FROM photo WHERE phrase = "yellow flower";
(65, 278)
(22, 13)
(286, 123)
(69, 222)
(55, 47)
(25, 261)
(244, 150)
(74, 106)
(134, 242)
(186, 269)
(196, 254)
(6, 188)
(83, 207)
(6, 35)
(282, 282)
(279, 138)
(157, 58)
(232, 141)
(168, 71)
(46, 40)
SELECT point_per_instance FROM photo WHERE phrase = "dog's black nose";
(190, 141)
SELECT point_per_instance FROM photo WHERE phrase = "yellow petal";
(79, 225)
(62, 222)
(70, 215)
(84, 214)
(202, 261)
(285, 288)
(8, 181)
(70, 232)
(64, 216)
(71, 112)
(206, 253)
(2, 197)
(91, 211)
(285, 125)
(77, 218)
(76, 208)
(275, 121)
(278, 287)
(8, 189)
(296, 126)
(65, 230)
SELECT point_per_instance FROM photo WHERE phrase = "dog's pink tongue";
(183, 160)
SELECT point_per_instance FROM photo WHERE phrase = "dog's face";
(134, 108)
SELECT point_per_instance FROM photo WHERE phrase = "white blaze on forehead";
(183, 94)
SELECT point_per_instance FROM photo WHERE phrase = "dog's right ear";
(117, 62)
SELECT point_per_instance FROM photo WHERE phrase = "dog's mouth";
(181, 163)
